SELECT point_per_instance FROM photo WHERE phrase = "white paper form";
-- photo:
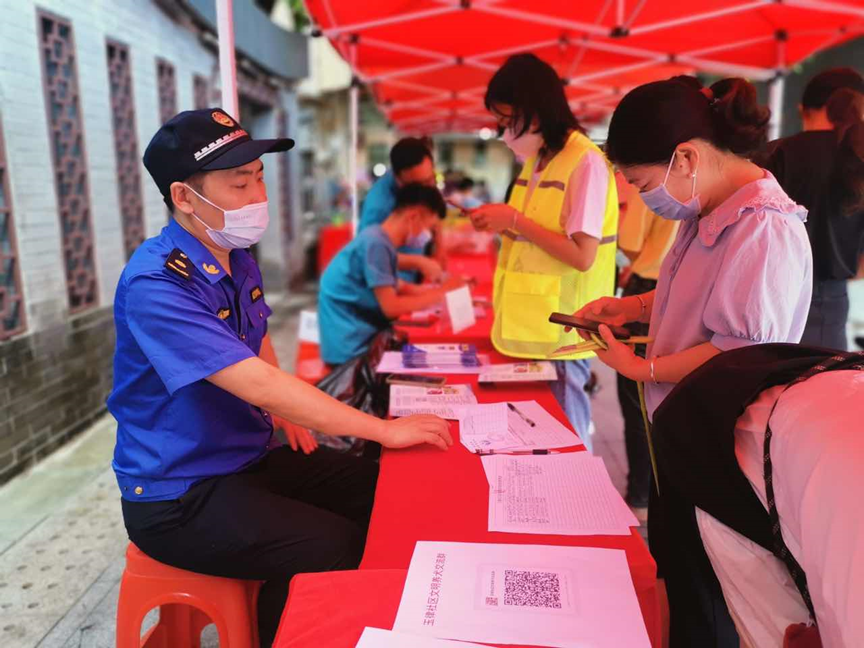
(391, 362)
(377, 638)
(519, 372)
(534, 428)
(445, 401)
(564, 597)
(460, 308)
(566, 494)
(485, 427)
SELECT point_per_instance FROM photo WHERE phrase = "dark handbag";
(357, 384)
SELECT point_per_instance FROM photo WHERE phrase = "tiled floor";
(62, 539)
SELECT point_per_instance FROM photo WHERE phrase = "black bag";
(356, 383)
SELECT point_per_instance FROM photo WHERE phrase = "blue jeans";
(569, 391)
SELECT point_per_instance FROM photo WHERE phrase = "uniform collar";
(201, 257)
(754, 196)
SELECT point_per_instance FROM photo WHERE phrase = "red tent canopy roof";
(428, 61)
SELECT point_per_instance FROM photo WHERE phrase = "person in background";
(738, 274)
(464, 194)
(482, 192)
(410, 162)
(558, 229)
(645, 238)
(360, 292)
(821, 169)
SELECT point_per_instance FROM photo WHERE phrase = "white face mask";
(243, 227)
(419, 240)
(524, 146)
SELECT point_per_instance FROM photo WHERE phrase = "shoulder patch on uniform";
(179, 264)
(223, 313)
(256, 294)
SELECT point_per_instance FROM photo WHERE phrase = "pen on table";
(537, 451)
(524, 418)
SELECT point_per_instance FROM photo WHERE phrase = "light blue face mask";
(664, 204)
(419, 240)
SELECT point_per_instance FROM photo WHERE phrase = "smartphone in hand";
(589, 326)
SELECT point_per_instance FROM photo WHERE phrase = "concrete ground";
(62, 537)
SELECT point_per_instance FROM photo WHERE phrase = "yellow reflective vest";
(529, 283)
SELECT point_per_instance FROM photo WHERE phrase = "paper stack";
(512, 427)
(446, 401)
(518, 372)
(563, 494)
(568, 597)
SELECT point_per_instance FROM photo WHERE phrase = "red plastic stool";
(187, 602)
(310, 368)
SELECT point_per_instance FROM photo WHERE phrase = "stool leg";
(129, 622)
(199, 622)
(176, 620)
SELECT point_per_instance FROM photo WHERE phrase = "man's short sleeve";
(176, 329)
(379, 267)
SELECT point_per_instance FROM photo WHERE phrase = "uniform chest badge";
(223, 313)
(210, 268)
(256, 294)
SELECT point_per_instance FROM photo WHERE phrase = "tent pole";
(352, 152)
(776, 89)
(227, 61)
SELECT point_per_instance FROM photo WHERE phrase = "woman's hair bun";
(740, 122)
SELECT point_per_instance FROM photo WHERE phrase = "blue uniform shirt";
(179, 318)
(348, 312)
(377, 206)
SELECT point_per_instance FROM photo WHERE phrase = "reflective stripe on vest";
(529, 283)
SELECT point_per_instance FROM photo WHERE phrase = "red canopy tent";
(427, 62)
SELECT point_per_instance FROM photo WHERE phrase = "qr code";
(532, 589)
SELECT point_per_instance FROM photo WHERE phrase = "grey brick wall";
(55, 377)
(53, 384)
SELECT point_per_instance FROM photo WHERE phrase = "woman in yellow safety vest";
(558, 228)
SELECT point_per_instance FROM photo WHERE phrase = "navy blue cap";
(202, 140)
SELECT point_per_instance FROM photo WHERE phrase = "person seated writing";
(360, 291)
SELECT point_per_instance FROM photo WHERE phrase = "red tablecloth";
(426, 494)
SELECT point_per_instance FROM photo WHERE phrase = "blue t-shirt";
(348, 312)
(377, 206)
(180, 318)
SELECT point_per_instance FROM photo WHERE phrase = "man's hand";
(429, 268)
(417, 429)
(493, 218)
(298, 437)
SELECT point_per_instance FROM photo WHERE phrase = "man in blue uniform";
(197, 392)
(410, 163)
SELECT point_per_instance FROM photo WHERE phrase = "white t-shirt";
(817, 451)
(585, 203)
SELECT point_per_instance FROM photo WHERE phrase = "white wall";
(149, 33)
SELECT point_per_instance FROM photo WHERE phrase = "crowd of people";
(733, 256)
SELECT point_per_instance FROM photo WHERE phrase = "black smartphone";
(587, 325)
(416, 380)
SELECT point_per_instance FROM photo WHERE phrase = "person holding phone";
(558, 227)
(739, 273)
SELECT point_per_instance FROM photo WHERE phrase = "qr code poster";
(525, 589)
